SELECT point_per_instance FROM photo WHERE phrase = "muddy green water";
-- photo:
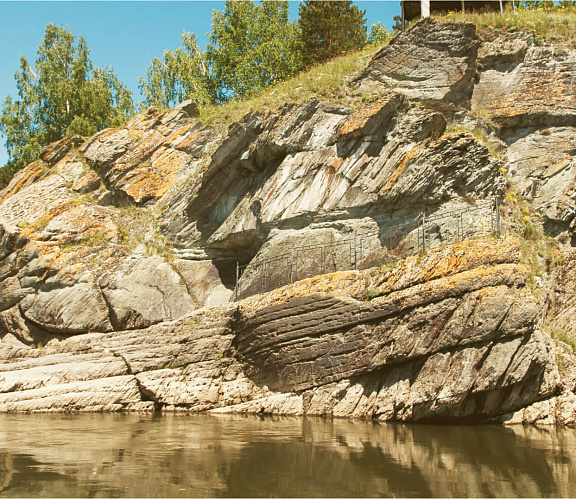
(236, 456)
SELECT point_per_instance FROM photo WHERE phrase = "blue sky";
(123, 34)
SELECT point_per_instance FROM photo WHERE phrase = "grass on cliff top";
(556, 25)
(326, 81)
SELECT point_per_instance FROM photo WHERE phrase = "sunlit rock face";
(452, 337)
(119, 254)
(141, 161)
(434, 63)
(525, 84)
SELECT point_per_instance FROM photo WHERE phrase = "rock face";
(142, 161)
(434, 63)
(119, 255)
(524, 84)
(451, 337)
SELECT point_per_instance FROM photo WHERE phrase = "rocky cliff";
(119, 254)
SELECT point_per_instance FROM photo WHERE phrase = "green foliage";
(390, 266)
(62, 94)
(7, 172)
(530, 232)
(535, 4)
(370, 293)
(553, 24)
(251, 46)
(480, 133)
(326, 81)
(567, 340)
(378, 34)
(181, 74)
(40, 224)
(397, 28)
(329, 29)
(97, 240)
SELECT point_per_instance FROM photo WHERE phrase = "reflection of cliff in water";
(233, 456)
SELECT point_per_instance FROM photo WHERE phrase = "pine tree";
(330, 28)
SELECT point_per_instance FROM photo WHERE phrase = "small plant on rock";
(530, 232)
(370, 293)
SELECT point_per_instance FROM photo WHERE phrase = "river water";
(131, 455)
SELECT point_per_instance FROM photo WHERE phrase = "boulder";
(433, 62)
(72, 310)
(150, 292)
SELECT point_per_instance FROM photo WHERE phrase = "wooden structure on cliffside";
(414, 9)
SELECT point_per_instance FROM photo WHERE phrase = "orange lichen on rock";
(88, 182)
(443, 272)
(153, 178)
(24, 178)
(452, 260)
(66, 235)
(359, 118)
(181, 138)
(535, 91)
(146, 146)
(145, 120)
(341, 283)
(452, 286)
(72, 221)
(358, 122)
(399, 169)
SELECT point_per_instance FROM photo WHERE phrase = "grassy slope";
(558, 25)
(328, 81)
(325, 81)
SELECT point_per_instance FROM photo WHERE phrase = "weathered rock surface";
(528, 85)
(543, 170)
(452, 337)
(370, 164)
(119, 255)
(434, 63)
(148, 293)
(143, 160)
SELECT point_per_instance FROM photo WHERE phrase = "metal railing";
(368, 248)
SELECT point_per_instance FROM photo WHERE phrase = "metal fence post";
(258, 271)
(237, 281)
(355, 253)
(424, 232)
(418, 232)
(291, 263)
(498, 227)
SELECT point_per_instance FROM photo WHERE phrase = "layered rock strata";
(118, 253)
(452, 337)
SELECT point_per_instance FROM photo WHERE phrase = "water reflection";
(235, 456)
